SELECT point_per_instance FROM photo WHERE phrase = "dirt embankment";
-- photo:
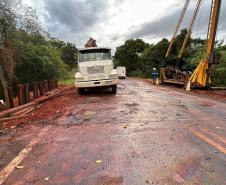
(48, 111)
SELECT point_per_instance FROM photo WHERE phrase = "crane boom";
(216, 5)
(200, 76)
(190, 28)
(177, 27)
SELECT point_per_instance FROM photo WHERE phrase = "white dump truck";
(95, 69)
(121, 72)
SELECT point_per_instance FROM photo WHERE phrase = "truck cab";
(95, 69)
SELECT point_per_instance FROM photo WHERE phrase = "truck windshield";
(94, 55)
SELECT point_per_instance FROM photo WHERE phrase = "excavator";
(201, 75)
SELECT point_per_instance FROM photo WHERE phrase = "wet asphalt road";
(143, 135)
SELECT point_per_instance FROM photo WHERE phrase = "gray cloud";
(76, 20)
(76, 15)
(165, 25)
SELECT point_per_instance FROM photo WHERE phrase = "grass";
(67, 81)
(69, 78)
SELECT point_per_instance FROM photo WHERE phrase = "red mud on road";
(140, 136)
(47, 111)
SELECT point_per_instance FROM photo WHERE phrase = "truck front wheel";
(81, 91)
(114, 89)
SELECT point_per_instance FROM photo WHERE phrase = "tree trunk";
(5, 87)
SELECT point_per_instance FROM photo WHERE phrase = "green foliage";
(219, 71)
(69, 55)
(7, 22)
(69, 78)
(193, 59)
(39, 63)
(153, 57)
(27, 54)
(68, 52)
(128, 55)
(140, 58)
(68, 81)
(39, 59)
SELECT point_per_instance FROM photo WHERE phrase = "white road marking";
(21, 156)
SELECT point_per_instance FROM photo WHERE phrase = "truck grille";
(96, 77)
(95, 69)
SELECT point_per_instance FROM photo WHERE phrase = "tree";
(69, 55)
(55, 43)
(35, 59)
(37, 63)
(13, 16)
(140, 58)
(153, 56)
(68, 51)
(219, 71)
(128, 55)
(7, 27)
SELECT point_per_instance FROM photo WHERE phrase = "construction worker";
(154, 76)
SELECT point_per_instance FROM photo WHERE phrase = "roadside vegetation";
(27, 52)
(140, 57)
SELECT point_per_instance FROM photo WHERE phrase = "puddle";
(131, 105)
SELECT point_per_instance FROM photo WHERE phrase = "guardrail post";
(46, 85)
(10, 97)
(50, 85)
(53, 83)
(35, 89)
(41, 88)
(27, 92)
(21, 97)
(56, 83)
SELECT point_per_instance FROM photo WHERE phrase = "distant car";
(121, 72)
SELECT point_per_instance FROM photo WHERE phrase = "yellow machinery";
(190, 28)
(177, 27)
(171, 74)
(201, 75)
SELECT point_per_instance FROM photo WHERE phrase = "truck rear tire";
(81, 91)
(114, 89)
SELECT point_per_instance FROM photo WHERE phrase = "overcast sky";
(111, 22)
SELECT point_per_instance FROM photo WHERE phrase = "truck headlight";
(80, 78)
(114, 74)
